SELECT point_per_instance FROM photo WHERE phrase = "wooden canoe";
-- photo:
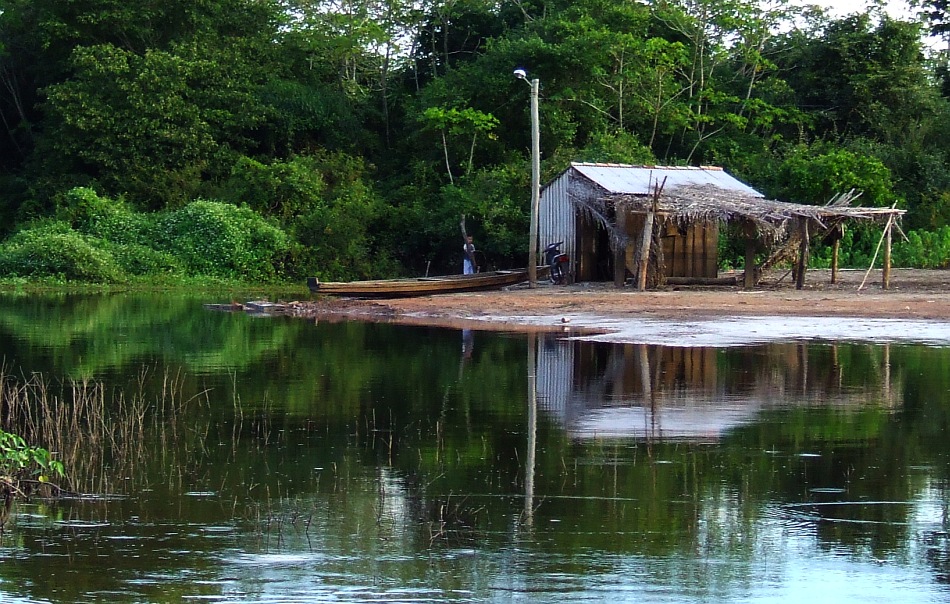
(421, 286)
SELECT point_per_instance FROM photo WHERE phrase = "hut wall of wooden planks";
(691, 251)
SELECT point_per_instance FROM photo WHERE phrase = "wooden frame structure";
(783, 229)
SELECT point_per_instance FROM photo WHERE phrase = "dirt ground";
(913, 294)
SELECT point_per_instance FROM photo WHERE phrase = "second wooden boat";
(421, 286)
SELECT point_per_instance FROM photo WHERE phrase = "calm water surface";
(227, 457)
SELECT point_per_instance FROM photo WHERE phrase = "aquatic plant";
(22, 467)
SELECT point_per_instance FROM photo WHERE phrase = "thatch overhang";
(687, 204)
(694, 203)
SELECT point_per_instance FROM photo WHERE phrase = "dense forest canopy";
(344, 138)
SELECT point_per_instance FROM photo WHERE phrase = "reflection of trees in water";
(77, 334)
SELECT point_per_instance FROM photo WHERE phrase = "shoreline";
(916, 309)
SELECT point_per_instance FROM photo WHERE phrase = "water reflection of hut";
(661, 224)
(644, 391)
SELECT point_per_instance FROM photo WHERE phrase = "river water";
(227, 457)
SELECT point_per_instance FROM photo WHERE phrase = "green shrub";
(142, 261)
(281, 189)
(924, 249)
(102, 217)
(335, 229)
(20, 461)
(55, 250)
(221, 240)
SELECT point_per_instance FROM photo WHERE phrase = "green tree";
(338, 231)
(153, 126)
(459, 123)
(862, 75)
(814, 174)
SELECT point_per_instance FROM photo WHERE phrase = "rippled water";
(313, 462)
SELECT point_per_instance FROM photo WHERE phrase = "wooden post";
(802, 253)
(620, 265)
(645, 241)
(886, 283)
(834, 256)
(885, 235)
(749, 277)
(658, 245)
(648, 236)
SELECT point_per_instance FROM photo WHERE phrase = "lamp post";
(521, 74)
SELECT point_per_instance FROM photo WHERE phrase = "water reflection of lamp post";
(535, 84)
(532, 430)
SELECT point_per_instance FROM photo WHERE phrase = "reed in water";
(102, 436)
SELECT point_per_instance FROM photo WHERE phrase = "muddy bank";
(915, 308)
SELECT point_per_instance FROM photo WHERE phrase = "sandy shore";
(916, 307)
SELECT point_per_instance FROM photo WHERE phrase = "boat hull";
(420, 286)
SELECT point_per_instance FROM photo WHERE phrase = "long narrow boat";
(421, 286)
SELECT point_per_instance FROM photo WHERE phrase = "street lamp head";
(521, 74)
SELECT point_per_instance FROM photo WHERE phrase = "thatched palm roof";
(692, 203)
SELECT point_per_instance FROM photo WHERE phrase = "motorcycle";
(558, 262)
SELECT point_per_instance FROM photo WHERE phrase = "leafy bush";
(281, 189)
(221, 240)
(103, 218)
(813, 174)
(924, 249)
(55, 250)
(102, 241)
(142, 261)
(20, 461)
(334, 228)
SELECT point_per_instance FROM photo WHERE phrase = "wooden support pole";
(884, 235)
(645, 242)
(658, 246)
(834, 260)
(620, 265)
(749, 277)
(647, 239)
(886, 282)
(802, 254)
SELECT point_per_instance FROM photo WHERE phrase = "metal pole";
(535, 186)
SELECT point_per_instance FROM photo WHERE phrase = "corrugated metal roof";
(640, 180)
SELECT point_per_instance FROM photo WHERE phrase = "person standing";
(469, 266)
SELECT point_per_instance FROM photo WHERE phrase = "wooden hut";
(660, 224)
(577, 208)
